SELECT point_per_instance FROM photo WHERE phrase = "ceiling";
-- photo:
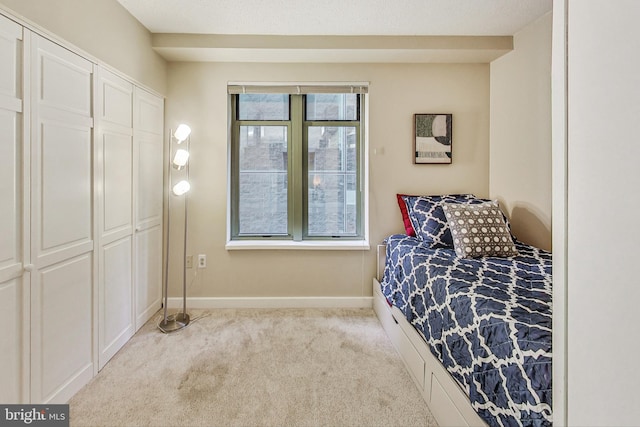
(338, 17)
(206, 25)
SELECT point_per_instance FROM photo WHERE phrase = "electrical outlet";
(189, 261)
(202, 261)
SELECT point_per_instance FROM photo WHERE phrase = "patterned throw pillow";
(479, 230)
(428, 220)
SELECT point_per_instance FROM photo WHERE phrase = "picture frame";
(433, 139)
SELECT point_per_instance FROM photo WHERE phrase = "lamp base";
(174, 322)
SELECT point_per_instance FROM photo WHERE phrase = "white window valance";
(297, 88)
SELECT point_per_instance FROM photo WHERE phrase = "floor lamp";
(179, 162)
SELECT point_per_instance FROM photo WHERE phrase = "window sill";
(346, 245)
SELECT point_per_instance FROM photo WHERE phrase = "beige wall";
(520, 168)
(197, 95)
(101, 28)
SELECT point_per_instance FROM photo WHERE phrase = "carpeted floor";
(294, 367)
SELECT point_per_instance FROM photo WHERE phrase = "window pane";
(263, 107)
(332, 106)
(263, 180)
(333, 181)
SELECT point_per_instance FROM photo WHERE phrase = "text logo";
(34, 415)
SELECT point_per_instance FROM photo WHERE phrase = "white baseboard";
(273, 302)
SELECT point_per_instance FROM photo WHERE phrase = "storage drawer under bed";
(444, 397)
(412, 359)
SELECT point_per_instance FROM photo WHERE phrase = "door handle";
(29, 267)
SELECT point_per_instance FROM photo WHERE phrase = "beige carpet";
(311, 367)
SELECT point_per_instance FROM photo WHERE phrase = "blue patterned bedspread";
(488, 320)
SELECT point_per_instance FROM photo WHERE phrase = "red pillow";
(405, 216)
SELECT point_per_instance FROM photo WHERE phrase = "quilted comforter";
(488, 320)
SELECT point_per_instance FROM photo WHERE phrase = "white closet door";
(114, 178)
(148, 258)
(12, 279)
(61, 222)
(149, 165)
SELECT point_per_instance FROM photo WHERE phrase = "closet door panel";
(116, 302)
(149, 113)
(10, 340)
(148, 274)
(117, 105)
(118, 179)
(150, 173)
(11, 267)
(10, 189)
(12, 278)
(65, 80)
(63, 314)
(65, 184)
(10, 52)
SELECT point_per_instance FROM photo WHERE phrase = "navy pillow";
(428, 219)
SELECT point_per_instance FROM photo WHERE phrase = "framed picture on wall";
(432, 138)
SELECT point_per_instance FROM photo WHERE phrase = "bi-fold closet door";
(62, 225)
(129, 173)
(14, 283)
(81, 166)
(114, 178)
(148, 141)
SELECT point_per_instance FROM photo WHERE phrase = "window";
(297, 164)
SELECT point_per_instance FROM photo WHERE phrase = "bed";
(474, 331)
